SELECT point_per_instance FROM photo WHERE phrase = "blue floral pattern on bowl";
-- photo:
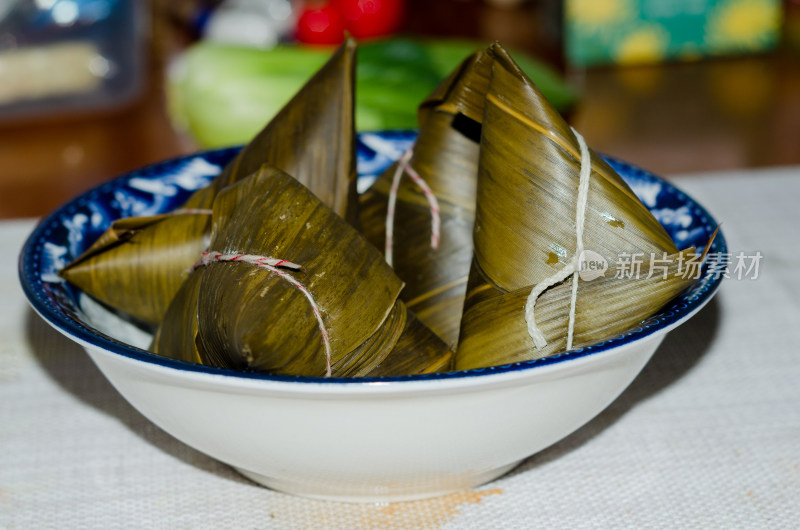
(159, 188)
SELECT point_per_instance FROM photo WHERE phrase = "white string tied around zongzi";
(404, 166)
(573, 267)
(275, 265)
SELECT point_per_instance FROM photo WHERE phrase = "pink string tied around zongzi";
(276, 266)
(404, 166)
(572, 268)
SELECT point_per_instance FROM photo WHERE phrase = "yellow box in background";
(648, 31)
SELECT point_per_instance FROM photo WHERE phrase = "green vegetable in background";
(223, 95)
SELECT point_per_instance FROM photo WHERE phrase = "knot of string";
(404, 166)
(276, 266)
(572, 268)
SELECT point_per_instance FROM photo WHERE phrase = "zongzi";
(334, 311)
(139, 265)
(544, 197)
(401, 217)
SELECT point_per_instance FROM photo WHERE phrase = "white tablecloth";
(707, 436)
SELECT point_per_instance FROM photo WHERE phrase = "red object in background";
(371, 18)
(325, 22)
(320, 23)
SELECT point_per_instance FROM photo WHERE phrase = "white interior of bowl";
(112, 324)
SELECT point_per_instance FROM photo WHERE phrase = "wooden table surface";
(726, 113)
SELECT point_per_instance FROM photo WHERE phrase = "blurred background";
(93, 88)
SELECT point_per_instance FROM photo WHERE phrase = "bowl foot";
(380, 493)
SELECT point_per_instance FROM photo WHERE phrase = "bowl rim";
(42, 300)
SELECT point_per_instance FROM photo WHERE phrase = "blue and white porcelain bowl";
(377, 439)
